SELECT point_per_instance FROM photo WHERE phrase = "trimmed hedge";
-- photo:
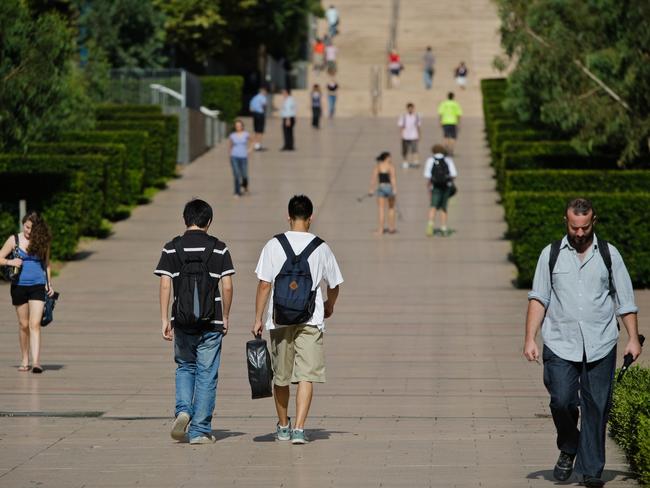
(629, 420)
(103, 111)
(58, 194)
(153, 147)
(135, 143)
(114, 169)
(577, 180)
(535, 219)
(170, 142)
(90, 192)
(500, 138)
(223, 93)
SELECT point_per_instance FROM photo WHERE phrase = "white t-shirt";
(428, 166)
(332, 16)
(410, 124)
(322, 264)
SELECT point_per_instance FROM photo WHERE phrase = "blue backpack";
(294, 300)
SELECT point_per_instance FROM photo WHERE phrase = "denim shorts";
(385, 190)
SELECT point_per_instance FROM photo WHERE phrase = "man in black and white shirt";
(197, 352)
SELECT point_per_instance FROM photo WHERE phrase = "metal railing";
(375, 90)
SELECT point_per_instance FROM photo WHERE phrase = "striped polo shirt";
(219, 264)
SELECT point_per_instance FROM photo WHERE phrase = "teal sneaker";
(298, 436)
(283, 433)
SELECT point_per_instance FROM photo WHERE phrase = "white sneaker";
(405, 164)
(180, 425)
(204, 439)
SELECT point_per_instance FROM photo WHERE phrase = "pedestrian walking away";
(460, 73)
(333, 20)
(239, 146)
(440, 172)
(581, 286)
(331, 52)
(257, 108)
(316, 104)
(383, 183)
(288, 114)
(332, 92)
(289, 304)
(428, 63)
(318, 55)
(28, 254)
(193, 266)
(395, 67)
(409, 124)
(450, 113)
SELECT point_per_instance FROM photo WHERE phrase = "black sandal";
(37, 370)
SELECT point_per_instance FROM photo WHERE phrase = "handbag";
(453, 189)
(260, 374)
(50, 303)
(11, 273)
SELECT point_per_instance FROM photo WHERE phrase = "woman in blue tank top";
(28, 291)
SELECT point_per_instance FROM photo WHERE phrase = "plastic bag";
(260, 374)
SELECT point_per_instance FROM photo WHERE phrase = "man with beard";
(580, 287)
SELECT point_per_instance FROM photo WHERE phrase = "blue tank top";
(32, 272)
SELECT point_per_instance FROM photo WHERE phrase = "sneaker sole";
(180, 424)
(298, 442)
(288, 438)
(202, 441)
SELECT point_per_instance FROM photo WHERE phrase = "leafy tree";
(38, 87)
(582, 67)
(130, 32)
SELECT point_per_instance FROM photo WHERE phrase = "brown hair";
(438, 148)
(40, 237)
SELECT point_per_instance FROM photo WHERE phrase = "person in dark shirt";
(197, 352)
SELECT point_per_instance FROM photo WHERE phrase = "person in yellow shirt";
(450, 114)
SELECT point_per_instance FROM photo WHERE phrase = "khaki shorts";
(297, 355)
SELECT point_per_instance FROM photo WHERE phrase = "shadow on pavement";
(222, 434)
(608, 475)
(312, 434)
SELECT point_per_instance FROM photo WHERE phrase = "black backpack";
(440, 173)
(294, 300)
(194, 305)
(603, 248)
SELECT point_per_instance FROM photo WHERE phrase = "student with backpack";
(290, 304)
(581, 286)
(195, 263)
(440, 172)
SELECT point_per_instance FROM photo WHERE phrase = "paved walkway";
(426, 383)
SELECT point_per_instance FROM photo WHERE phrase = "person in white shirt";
(409, 124)
(330, 58)
(440, 172)
(288, 114)
(332, 16)
(296, 350)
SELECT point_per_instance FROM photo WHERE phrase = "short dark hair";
(439, 149)
(300, 207)
(410, 105)
(579, 206)
(383, 156)
(197, 212)
(450, 96)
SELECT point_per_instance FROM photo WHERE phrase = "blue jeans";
(239, 173)
(331, 102)
(197, 359)
(428, 79)
(563, 380)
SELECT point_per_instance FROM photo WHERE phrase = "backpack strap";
(603, 248)
(311, 247)
(552, 259)
(288, 250)
(209, 250)
(176, 242)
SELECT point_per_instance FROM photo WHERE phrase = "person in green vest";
(450, 114)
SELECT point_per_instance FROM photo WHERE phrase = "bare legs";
(381, 210)
(29, 332)
(303, 402)
(391, 214)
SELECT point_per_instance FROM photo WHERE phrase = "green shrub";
(223, 93)
(535, 219)
(114, 170)
(91, 192)
(135, 143)
(578, 180)
(499, 139)
(104, 111)
(58, 194)
(155, 143)
(629, 421)
(170, 142)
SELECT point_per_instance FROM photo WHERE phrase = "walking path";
(426, 383)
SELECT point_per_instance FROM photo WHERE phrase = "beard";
(581, 243)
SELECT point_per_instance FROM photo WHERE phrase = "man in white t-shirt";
(409, 124)
(296, 350)
(440, 172)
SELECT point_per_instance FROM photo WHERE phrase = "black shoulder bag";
(11, 273)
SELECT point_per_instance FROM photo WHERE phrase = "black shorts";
(449, 131)
(258, 122)
(23, 294)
